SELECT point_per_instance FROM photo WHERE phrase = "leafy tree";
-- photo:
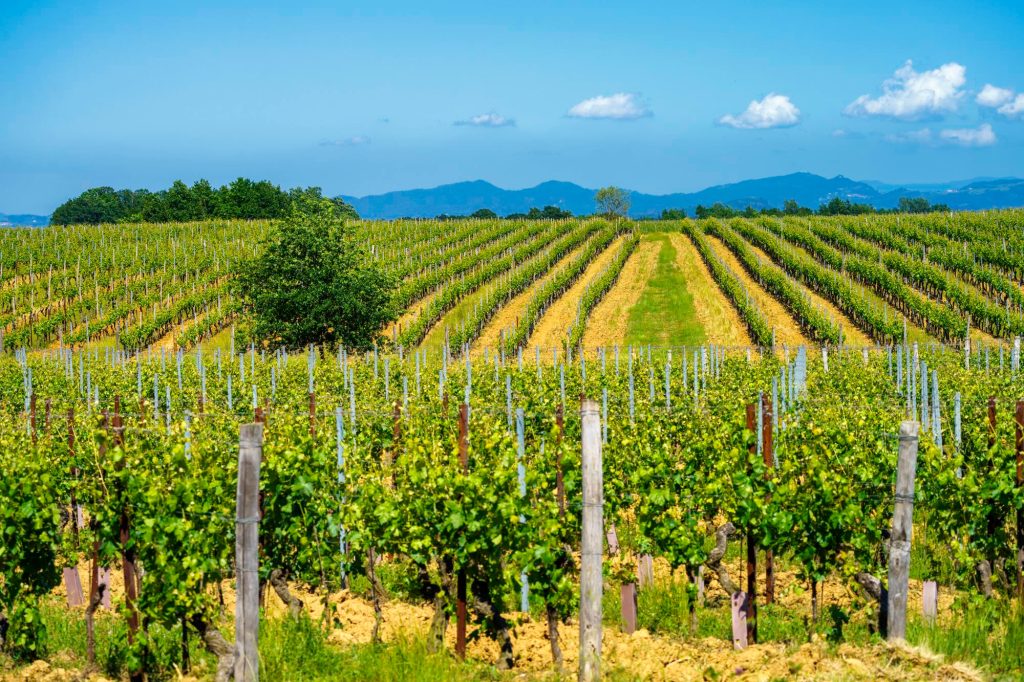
(673, 213)
(309, 200)
(205, 198)
(613, 202)
(790, 207)
(313, 283)
(839, 206)
(93, 206)
(483, 213)
(919, 205)
(554, 213)
(717, 210)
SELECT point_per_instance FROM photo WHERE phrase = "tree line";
(242, 199)
(835, 206)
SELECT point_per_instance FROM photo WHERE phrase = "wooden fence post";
(767, 449)
(247, 580)
(591, 552)
(751, 602)
(1020, 512)
(902, 526)
(460, 587)
(131, 585)
(72, 579)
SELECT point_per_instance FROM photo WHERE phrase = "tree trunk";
(985, 577)
(873, 587)
(496, 624)
(714, 561)
(814, 601)
(438, 624)
(376, 594)
(279, 581)
(556, 650)
(218, 646)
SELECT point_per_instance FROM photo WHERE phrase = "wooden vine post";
(460, 588)
(72, 580)
(592, 545)
(131, 586)
(1020, 512)
(247, 579)
(750, 605)
(767, 448)
(902, 527)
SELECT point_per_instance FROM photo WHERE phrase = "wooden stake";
(739, 620)
(460, 588)
(930, 600)
(902, 527)
(131, 586)
(1020, 512)
(767, 449)
(247, 581)
(591, 553)
(751, 601)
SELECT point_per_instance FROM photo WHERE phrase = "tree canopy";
(313, 283)
(613, 202)
(243, 198)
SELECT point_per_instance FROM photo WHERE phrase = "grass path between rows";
(716, 315)
(608, 322)
(650, 303)
(553, 326)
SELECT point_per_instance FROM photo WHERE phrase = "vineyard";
(749, 379)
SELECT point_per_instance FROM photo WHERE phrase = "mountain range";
(807, 189)
(463, 198)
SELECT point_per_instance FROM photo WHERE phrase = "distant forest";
(243, 198)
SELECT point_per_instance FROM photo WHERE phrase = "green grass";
(665, 310)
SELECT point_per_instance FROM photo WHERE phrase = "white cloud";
(491, 120)
(774, 111)
(622, 106)
(991, 96)
(1002, 100)
(1014, 107)
(910, 94)
(353, 141)
(982, 136)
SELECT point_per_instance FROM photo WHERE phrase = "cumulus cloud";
(991, 96)
(353, 141)
(622, 106)
(491, 120)
(982, 136)
(1002, 100)
(910, 94)
(774, 111)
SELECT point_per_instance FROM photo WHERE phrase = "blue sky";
(367, 97)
